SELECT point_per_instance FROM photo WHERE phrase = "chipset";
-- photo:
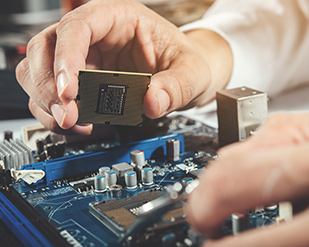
(111, 97)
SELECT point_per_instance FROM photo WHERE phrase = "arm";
(269, 41)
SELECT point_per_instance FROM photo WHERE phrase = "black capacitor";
(8, 134)
(60, 149)
(51, 150)
(40, 146)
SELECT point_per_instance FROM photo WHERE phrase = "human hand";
(126, 36)
(270, 167)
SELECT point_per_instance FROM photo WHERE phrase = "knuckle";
(22, 70)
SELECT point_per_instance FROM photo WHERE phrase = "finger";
(177, 87)
(80, 29)
(49, 122)
(239, 182)
(293, 233)
(294, 126)
(35, 73)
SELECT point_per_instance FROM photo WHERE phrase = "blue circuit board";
(64, 196)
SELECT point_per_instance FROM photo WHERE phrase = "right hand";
(114, 35)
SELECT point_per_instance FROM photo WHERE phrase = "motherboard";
(64, 195)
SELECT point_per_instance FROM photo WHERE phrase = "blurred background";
(20, 20)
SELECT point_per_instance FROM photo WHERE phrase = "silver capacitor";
(131, 180)
(103, 170)
(100, 183)
(111, 178)
(172, 149)
(137, 158)
(147, 176)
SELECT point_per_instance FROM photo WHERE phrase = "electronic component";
(103, 170)
(137, 158)
(100, 183)
(122, 168)
(147, 176)
(240, 222)
(131, 180)
(111, 97)
(173, 147)
(111, 178)
(240, 111)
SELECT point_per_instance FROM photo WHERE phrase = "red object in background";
(68, 5)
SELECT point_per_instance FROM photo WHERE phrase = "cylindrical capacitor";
(8, 135)
(147, 176)
(173, 149)
(100, 183)
(240, 222)
(103, 170)
(131, 180)
(137, 158)
(111, 178)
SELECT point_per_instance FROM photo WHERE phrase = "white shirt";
(269, 42)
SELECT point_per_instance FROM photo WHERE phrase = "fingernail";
(62, 83)
(164, 101)
(58, 112)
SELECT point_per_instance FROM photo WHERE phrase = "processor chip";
(110, 97)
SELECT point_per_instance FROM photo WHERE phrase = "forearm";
(218, 54)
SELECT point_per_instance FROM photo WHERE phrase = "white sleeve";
(269, 41)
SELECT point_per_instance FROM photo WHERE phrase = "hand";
(120, 35)
(271, 166)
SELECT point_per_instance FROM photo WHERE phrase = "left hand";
(270, 167)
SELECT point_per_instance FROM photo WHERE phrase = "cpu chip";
(111, 97)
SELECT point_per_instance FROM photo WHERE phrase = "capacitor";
(103, 170)
(40, 145)
(173, 149)
(8, 135)
(137, 158)
(100, 183)
(130, 180)
(60, 149)
(111, 178)
(51, 150)
(240, 222)
(147, 176)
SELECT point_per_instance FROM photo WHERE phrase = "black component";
(190, 122)
(196, 173)
(36, 219)
(51, 150)
(48, 139)
(202, 160)
(5, 178)
(111, 99)
(40, 145)
(8, 135)
(60, 149)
